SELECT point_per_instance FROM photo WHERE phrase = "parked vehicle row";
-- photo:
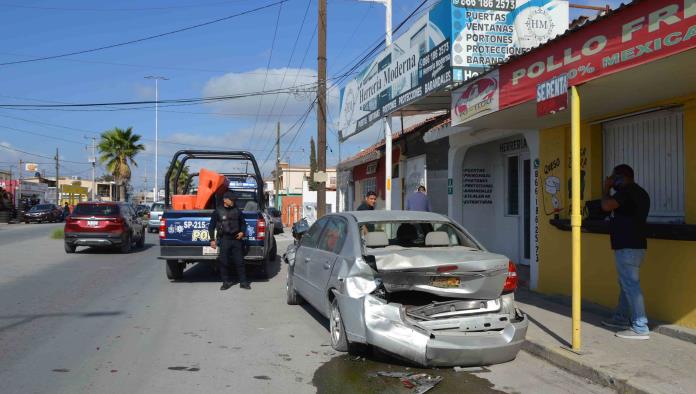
(43, 213)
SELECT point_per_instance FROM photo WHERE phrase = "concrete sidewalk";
(660, 365)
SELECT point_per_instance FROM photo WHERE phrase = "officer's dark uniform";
(228, 222)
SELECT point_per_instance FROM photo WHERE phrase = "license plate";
(445, 283)
(208, 251)
(92, 223)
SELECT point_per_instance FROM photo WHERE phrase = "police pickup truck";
(183, 232)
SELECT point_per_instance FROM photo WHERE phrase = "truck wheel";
(292, 297)
(274, 251)
(175, 270)
(339, 341)
(69, 248)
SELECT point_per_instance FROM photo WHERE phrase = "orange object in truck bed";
(208, 183)
(182, 202)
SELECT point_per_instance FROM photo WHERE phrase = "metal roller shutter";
(653, 144)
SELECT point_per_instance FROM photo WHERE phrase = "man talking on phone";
(228, 223)
(629, 207)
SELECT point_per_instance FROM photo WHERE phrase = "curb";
(677, 332)
(671, 330)
(571, 363)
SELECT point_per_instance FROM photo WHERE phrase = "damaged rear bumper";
(475, 340)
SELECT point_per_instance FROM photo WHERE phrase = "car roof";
(387, 216)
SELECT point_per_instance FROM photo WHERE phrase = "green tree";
(312, 164)
(183, 178)
(117, 149)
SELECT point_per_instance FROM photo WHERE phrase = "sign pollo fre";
(642, 32)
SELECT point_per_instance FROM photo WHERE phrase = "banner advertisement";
(640, 33)
(416, 64)
(476, 98)
(552, 95)
(487, 32)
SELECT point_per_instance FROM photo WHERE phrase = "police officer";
(229, 225)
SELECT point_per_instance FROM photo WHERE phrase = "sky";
(230, 57)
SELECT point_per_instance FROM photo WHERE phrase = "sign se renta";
(552, 95)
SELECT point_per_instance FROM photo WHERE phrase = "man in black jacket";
(229, 225)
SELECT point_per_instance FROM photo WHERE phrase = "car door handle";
(327, 266)
(307, 259)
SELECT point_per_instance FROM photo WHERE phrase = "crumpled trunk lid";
(456, 272)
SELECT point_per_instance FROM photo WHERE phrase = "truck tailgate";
(190, 228)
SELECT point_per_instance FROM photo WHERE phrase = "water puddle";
(349, 374)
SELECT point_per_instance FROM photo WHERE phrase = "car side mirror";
(371, 261)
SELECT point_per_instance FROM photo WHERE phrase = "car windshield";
(96, 209)
(159, 207)
(415, 234)
(40, 207)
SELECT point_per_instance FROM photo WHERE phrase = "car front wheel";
(292, 297)
(338, 331)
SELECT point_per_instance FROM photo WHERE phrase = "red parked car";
(104, 224)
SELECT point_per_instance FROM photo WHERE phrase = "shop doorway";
(519, 201)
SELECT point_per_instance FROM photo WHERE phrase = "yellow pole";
(575, 216)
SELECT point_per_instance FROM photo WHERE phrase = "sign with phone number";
(500, 5)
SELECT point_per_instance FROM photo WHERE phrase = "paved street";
(98, 322)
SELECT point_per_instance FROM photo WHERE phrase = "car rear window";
(157, 207)
(96, 209)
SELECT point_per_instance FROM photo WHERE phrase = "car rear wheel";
(126, 245)
(175, 270)
(292, 297)
(69, 248)
(337, 330)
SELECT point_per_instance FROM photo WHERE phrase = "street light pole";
(157, 79)
(387, 119)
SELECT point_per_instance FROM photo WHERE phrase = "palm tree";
(183, 178)
(118, 149)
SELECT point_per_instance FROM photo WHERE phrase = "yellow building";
(509, 157)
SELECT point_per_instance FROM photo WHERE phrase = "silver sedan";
(414, 284)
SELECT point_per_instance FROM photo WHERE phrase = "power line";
(292, 54)
(174, 7)
(39, 155)
(146, 38)
(268, 64)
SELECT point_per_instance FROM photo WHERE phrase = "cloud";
(253, 81)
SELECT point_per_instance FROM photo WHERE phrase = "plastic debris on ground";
(419, 382)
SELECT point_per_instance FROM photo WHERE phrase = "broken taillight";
(446, 268)
(511, 279)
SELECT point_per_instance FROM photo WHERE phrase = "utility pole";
(94, 165)
(321, 108)
(18, 190)
(276, 189)
(157, 79)
(57, 179)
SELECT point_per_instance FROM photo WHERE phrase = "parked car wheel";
(292, 297)
(126, 245)
(69, 248)
(336, 328)
(175, 270)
